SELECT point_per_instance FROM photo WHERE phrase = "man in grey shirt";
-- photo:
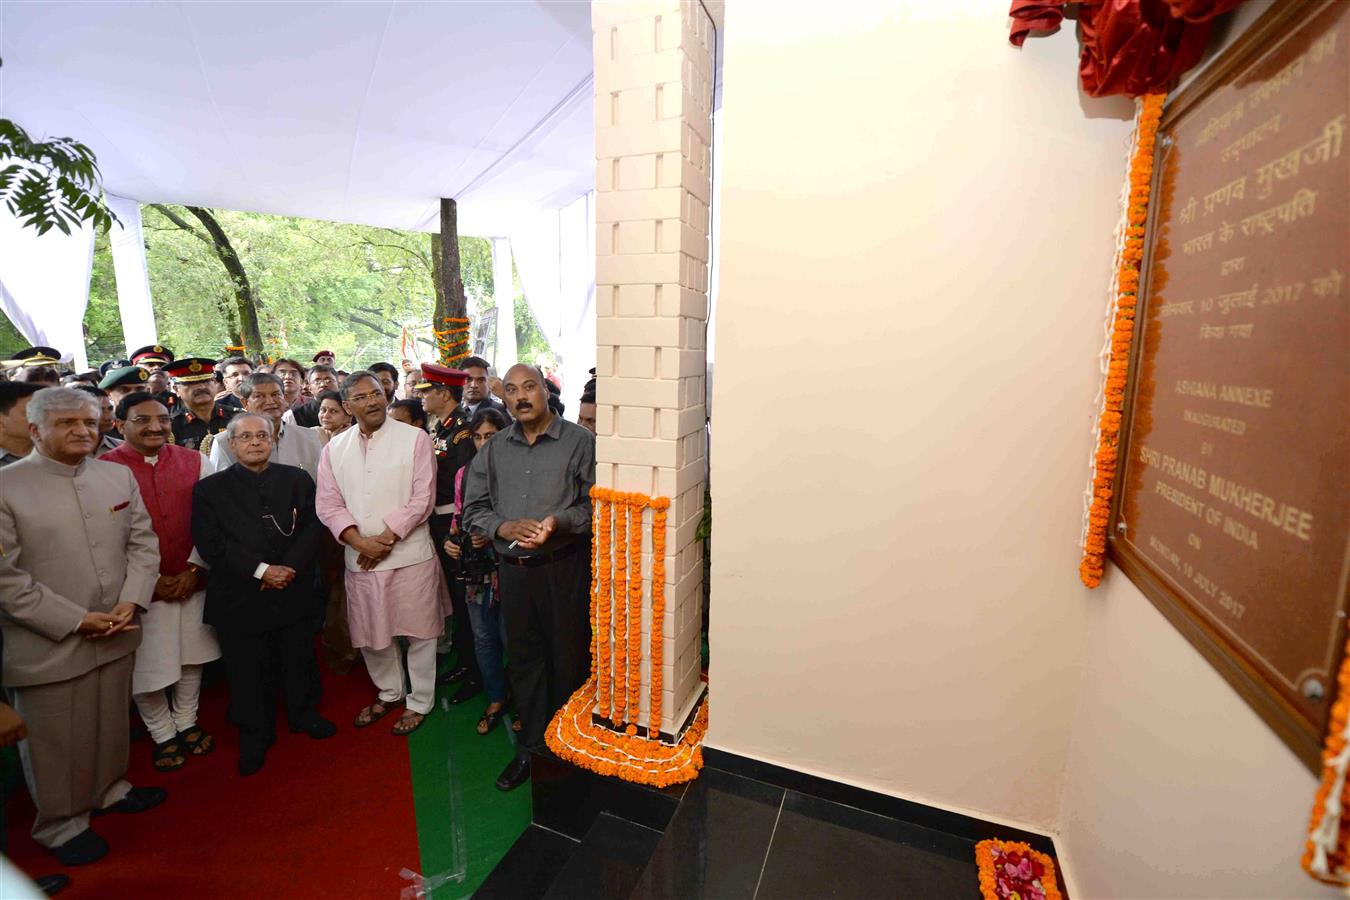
(529, 489)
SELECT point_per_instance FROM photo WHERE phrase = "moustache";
(523, 406)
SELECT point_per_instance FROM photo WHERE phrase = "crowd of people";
(164, 518)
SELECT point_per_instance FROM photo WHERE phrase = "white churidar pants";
(164, 719)
(386, 670)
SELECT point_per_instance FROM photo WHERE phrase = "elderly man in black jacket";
(254, 525)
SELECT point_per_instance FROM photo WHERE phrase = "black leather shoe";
(250, 761)
(458, 673)
(137, 800)
(467, 691)
(81, 850)
(516, 773)
(317, 728)
(51, 885)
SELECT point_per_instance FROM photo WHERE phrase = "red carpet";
(327, 818)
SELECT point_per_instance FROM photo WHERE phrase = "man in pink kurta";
(376, 489)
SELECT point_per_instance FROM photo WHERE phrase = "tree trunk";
(244, 297)
(451, 303)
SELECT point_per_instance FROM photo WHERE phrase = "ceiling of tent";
(365, 111)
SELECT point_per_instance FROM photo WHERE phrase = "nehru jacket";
(73, 539)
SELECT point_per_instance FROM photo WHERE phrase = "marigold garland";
(657, 655)
(1013, 869)
(596, 506)
(574, 737)
(603, 499)
(1127, 285)
(450, 338)
(1326, 855)
(636, 504)
(620, 693)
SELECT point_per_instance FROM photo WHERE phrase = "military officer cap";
(322, 353)
(190, 369)
(124, 376)
(111, 364)
(152, 353)
(31, 357)
(440, 376)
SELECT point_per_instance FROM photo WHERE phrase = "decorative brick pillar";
(653, 120)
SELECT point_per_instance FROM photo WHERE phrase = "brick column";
(653, 120)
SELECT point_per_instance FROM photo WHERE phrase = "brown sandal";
(169, 756)
(408, 723)
(198, 742)
(373, 713)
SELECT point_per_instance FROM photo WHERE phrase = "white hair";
(232, 428)
(59, 399)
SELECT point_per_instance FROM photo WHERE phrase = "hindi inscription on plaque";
(1233, 507)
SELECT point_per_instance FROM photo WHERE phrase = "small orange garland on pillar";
(636, 504)
(602, 498)
(621, 623)
(1122, 334)
(659, 507)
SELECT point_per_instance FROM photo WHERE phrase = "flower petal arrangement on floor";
(599, 727)
(1009, 869)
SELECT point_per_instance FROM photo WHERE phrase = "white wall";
(915, 250)
(1175, 788)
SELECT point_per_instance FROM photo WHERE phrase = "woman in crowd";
(485, 613)
(333, 419)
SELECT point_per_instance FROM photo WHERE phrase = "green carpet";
(464, 824)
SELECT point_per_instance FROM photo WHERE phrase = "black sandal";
(168, 756)
(488, 721)
(199, 743)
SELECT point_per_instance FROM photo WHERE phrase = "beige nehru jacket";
(72, 539)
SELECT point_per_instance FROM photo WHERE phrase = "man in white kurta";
(376, 489)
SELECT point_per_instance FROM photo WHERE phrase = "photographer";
(477, 572)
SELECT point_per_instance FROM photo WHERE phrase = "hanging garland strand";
(603, 498)
(657, 655)
(1105, 460)
(621, 623)
(636, 504)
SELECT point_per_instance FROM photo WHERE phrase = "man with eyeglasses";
(254, 525)
(292, 445)
(175, 644)
(377, 488)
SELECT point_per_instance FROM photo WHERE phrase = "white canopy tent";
(365, 112)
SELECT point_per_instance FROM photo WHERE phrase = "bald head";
(526, 395)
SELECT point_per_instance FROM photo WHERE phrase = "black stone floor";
(741, 830)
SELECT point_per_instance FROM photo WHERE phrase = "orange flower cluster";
(574, 737)
(452, 340)
(1031, 865)
(660, 505)
(636, 504)
(621, 623)
(1320, 860)
(1122, 334)
(601, 572)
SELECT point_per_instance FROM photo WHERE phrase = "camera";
(476, 565)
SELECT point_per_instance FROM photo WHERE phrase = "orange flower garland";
(452, 340)
(595, 553)
(620, 692)
(574, 737)
(636, 504)
(1122, 333)
(1326, 855)
(1013, 869)
(603, 499)
(659, 507)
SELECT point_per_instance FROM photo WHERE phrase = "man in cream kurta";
(376, 489)
(78, 559)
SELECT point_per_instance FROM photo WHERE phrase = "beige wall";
(915, 250)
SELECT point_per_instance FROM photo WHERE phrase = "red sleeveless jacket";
(166, 488)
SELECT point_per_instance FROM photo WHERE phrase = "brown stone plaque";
(1233, 508)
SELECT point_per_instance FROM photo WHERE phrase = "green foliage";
(50, 184)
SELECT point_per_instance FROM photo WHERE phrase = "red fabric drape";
(1129, 47)
(1200, 10)
(1034, 15)
(1135, 47)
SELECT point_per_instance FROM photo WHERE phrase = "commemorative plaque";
(1233, 508)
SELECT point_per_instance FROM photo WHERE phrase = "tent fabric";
(503, 289)
(127, 241)
(44, 284)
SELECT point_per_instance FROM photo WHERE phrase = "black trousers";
(548, 639)
(256, 666)
(461, 632)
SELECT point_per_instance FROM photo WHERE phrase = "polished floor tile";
(715, 845)
(529, 867)
(823, 849)
(607, 862)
